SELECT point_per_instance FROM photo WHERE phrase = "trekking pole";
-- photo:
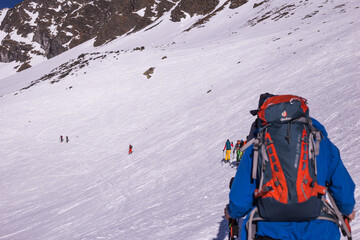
(230, 230)
(344, 221)
(233, 229)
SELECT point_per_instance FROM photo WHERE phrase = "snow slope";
(204, 83)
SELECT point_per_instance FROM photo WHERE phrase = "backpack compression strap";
(306, 187)
(314, 147)
(277, 186)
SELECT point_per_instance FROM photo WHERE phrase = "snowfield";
(204, 83)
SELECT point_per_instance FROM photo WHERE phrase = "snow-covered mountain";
(43, 29)
(176, 96)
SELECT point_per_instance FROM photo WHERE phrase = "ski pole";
(347, 223)
(233, 229)
(230, 230)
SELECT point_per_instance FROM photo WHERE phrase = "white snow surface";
(3, 13)
(2, 16)
(174, 185)
(32, 16)
(141, 12)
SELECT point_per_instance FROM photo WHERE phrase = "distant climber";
(67, 139)
(237, 147)
(61, 138)
(130, 149)
(227, 147)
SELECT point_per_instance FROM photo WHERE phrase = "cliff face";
(48, 28)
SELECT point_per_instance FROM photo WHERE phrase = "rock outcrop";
(48, 28)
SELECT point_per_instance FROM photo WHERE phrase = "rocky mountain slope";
(44, 29)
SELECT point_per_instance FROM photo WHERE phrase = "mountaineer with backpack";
(287, 168)
(227, 147)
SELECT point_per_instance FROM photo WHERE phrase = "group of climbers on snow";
(62, 139)
(67, 140)
(291, 183)
(228, 147)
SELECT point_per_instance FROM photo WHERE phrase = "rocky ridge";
(48, 28)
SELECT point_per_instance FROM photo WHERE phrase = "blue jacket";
(330, 170)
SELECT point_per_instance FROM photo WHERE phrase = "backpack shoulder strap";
(255, 142)
(255, 158)
(259, 145)
(248, 144)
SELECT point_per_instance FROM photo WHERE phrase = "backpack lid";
(282, 108)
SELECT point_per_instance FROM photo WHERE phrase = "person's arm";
(341, 185)
(242, 191)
